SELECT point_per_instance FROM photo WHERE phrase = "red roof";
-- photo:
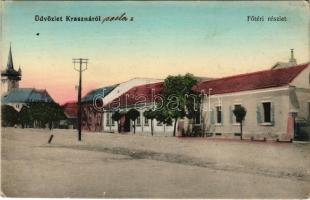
(251, 81)
(70, 109)
(139, 94)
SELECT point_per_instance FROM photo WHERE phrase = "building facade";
(93, 112)
(273, 98)
(92, 117)
(140, 98)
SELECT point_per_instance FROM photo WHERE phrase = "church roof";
(26, 95)
(252, 81)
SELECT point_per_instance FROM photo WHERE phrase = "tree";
(9, 116)
(24, 116)
(179, 99)
(46, 112)
(240, 113)
(150, 114)
(54, 113)
(133, 114)
(116, 116)
(38, 113)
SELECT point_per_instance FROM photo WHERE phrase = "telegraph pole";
(80, 69)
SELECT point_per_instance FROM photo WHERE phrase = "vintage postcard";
(155, 99)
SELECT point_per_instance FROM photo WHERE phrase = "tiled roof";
(26, 95)
(143, 93)
(70, 109)
(251, 81)
(90, 95)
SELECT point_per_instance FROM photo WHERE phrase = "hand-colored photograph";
(155, 99)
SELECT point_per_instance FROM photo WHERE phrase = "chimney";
(292, 60)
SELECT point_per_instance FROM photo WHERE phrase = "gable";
(302, 80)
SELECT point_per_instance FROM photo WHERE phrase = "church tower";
(9, 76)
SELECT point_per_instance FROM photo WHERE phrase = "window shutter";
(272, 113)
(222, 115)
(258, 114)
(212, 117)
(231, 114)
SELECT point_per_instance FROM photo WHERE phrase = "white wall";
(302, 80)
(142, 129)
(303, 96)
(302, 88)
(250, 100)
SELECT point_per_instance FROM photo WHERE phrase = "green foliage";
(240, 113)
(179, 99)
(24, 116)
(116, 116)
(150, 114)
(133, 114)
(41, 112)
(179, 85)
(9, 116)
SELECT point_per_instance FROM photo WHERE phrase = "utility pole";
(80, 69)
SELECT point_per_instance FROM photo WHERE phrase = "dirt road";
(113, 165)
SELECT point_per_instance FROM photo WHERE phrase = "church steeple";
(9, 76)
(10, 60)
(9, 71)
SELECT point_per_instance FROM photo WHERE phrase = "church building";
(17, 97)
(9, 76)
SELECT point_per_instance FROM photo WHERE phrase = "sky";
(209, 39)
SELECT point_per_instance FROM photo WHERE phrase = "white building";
(93, 103)
(140, 98)
(273, 99)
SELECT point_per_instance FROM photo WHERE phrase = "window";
(108, 119)
(197, 119)
(139, 121)
(235, 107)
(218, 114)
(267, 112)
(146, 121)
